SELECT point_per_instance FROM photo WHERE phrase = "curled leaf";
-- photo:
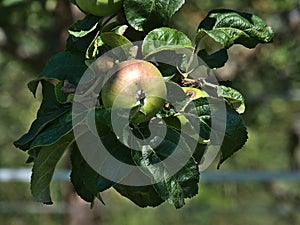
(229, 27)
(146, 15)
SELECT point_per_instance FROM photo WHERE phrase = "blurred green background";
(268, 76)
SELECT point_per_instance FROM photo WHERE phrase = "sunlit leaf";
(147, 15)
(233, 98)
(162, 39)
(229, 27)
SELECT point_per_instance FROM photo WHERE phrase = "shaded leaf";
(188, 179)
(49, 110)
(44, 166)
(85, 26)
(117, 149)
(54, 131)
(202, 107)
(82, 34)
(235, 134)
(32, 86)
(235, 137)
(142, 196)
(215, 60)
(102, 118)
(61, 96)
(65, 66)
(171, 188)
(87, 182)
(185, 124)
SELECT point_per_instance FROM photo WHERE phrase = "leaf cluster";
(51, 134)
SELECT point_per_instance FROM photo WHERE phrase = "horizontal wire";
(24, 174)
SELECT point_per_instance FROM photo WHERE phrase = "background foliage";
(268, 77)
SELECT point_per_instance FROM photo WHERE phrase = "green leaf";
(94, 47)
(235, 137)
(229, 27)
(114, 40)
(49, 110)
(147, 15)
(119, 44)
(234, 98)
(105, 41)
(121, 29)
(61, 96)
(85, 26)
(202, 108)
(102, 118)
(8, 3)
(115, 27)
(65, 66)
(44, 166)
(109, 37)
(82, 34)
(108, 139)
(199, 151)
(173, 188)
(54, 131)
(215, 60)
(183, 122)
(162, 39)
(87, 182)
(33, 85)
(117, 149)
(142, 196)
(188, 179)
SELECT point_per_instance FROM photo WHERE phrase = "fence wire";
(24, 174)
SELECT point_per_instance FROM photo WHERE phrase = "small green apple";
(100, 7)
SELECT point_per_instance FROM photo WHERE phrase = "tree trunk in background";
(294, 144)
(79, 211)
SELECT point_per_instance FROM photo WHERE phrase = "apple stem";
(140, 96)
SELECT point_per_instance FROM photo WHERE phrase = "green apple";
(100, 7)
(137, 85)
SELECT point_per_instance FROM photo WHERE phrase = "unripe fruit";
(100, 7)
(138, 84)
